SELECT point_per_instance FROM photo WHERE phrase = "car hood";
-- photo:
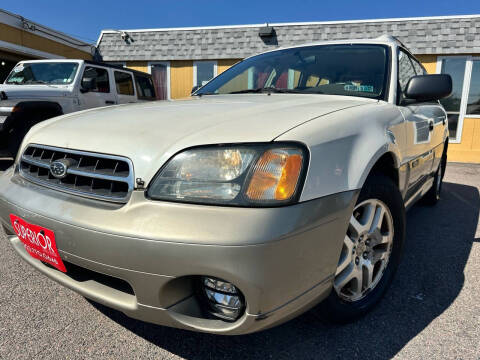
(150, 133)
(15, 92)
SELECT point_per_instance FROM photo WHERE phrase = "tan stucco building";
(22, 39)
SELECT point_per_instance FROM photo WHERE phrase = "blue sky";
(86, 18)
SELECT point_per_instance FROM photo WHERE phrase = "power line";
(81, 37)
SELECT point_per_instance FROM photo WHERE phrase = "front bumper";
(282, 259)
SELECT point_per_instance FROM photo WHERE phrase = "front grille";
(98, 176)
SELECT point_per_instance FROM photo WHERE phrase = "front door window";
(95, 88)
(97, 79)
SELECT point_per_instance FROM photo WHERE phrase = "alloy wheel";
(366, 250)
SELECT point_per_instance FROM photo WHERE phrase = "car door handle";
(430, 126)
(109, 102)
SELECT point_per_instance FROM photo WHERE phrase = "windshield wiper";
(205, 93)
(291, 91)
(268, 90)
(39, 82)
(36, 82)
(247, 91)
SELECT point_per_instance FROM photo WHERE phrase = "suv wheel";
(371, 251)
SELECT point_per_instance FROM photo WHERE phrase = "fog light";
(224, 299)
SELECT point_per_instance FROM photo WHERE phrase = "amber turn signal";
(276, 175)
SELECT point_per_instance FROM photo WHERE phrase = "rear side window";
(124, 83)
(97, 77)
(145, 89)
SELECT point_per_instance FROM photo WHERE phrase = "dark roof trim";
(113, 66)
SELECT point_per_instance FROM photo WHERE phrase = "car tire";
(433, 195)
(381, 194)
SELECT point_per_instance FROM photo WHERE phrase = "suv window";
(124, 83)
(101, 83)
(405, 69)
(57, 73)
(145, 89)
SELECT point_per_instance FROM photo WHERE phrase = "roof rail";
(391, 38)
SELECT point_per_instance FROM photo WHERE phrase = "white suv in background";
(41, 89)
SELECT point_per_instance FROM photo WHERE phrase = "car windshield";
(50, 73)
(350, 69)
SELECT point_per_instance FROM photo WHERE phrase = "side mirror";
(429, 87)
(195, 88)
(88, 84)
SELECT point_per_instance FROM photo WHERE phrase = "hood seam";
(314, 118)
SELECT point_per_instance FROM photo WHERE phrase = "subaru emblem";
(59, 168)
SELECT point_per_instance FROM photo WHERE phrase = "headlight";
(258, 175)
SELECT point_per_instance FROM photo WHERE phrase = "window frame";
(139, 90)
(215, 70)
(470, 69)
(167, 64)
(114, 70)
(400, 94)
(109, 78)
(465, 91)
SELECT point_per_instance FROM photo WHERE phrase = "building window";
(203, 72)
(452, 104)
(124, 83)
(473, 103)
(465, 98)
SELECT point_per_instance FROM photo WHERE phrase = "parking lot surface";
(431, 311)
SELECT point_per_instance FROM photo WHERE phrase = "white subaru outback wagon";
(280, 184)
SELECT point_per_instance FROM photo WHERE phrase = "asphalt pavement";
(432, 310)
